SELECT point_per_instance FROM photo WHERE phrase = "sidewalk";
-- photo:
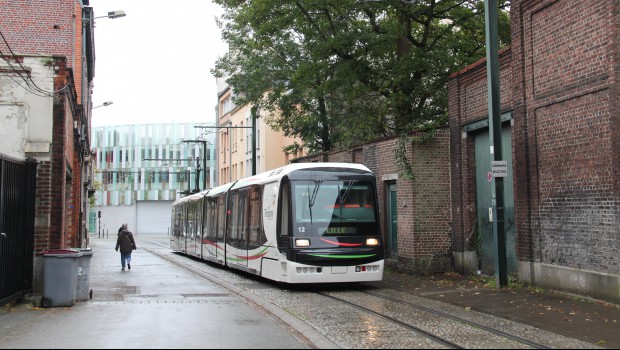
(592, 321)
(156, 304)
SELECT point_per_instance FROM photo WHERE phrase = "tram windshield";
(334, 207)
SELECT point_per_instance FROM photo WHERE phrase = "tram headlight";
(372, 241)
(302, 242)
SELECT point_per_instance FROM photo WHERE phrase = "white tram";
(301, 223)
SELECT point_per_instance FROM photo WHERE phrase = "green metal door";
(483, 200)
(392, 227)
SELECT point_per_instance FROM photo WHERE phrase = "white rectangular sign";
(499, 168)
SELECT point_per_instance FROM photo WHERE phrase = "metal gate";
(483, 200)
(17, 211)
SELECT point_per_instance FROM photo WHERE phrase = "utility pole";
(495, 138)
(204, 159)
(197, 188)
(254, 117)
(253, 127)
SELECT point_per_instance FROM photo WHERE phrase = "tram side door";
(243, 232)
(222, 221)
(237, 243)
(392, 222)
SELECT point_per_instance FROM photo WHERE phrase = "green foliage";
(402, 162)
(343, 72)
(490, 282)
(97, 185)
(475, 238)
(403, 165)
(47, 61)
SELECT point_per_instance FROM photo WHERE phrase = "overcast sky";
(154, 64)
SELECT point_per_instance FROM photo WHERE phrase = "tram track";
(416, 329)
(463, 321)
(414, 316)
(476, 330)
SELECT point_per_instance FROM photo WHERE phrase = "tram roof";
(276, 174)
(266, 177)
(191, 197)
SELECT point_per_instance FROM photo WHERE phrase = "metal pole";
(495, 136)
(254, 109)
(204, 162)
(189, 183)
(197, 180)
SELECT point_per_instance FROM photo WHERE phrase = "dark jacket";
(125, 242)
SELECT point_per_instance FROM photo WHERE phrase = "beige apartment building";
(234, 140)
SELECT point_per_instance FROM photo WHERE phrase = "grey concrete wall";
(590, 283)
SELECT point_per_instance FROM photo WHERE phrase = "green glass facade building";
(140, 170)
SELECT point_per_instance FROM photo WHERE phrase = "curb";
(305, 330)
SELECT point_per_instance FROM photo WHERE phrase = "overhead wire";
(22, 67)
(29, 82)
(23, 87)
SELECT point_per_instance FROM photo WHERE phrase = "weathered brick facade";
(38, 27)
(559, 81)
(569, 65)
(468, 104)
(424, 234)
(49, 36)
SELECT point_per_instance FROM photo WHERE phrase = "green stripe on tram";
(342, 256)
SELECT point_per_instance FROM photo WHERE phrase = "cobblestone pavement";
(555, 320)
(593, 321)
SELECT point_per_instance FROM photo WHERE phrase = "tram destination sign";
(499, 168)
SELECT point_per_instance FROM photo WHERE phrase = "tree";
(341, 72)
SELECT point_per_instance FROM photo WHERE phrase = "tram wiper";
(345, 194)
(312, 197)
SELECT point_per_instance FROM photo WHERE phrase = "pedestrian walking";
(126, 244)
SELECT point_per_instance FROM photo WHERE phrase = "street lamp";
(107, 103)
(114, 14)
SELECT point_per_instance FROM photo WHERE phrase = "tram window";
(192, 227)
(333, 201)
(199, 216)
(231, 233)
(205, 217)
(211, 218)
(255, 223)
(221, 217)
(284, 210)
(242, 217)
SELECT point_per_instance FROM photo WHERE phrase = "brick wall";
(424, 234)
(468, 104)
(51, 27)
(569, 134)
(559, 80)
(43, 207)
(59, 173)
(77, 64)
(58, 180)
(35, 26)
